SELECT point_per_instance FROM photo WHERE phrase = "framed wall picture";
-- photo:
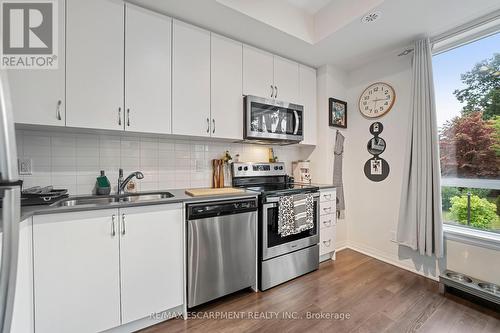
(337, 113)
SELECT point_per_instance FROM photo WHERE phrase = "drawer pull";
(327, 223)
(113, 227)
(327, 209)
(327, 243)
(327, 196)
(58, 109)
(123, 224)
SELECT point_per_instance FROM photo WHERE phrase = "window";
(467, 85)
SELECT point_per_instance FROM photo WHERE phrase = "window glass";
(467, 85)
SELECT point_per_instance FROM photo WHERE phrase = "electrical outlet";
(25, 166)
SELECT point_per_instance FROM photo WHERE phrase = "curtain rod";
(466, 27)
(462, 29)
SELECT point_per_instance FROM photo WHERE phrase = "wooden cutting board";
(195, 192)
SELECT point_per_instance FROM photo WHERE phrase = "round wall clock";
(377, 100)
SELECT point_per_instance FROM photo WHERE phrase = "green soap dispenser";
(103, 185)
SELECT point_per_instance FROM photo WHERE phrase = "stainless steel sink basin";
(84, 201)
(99, 201)
(146, 196)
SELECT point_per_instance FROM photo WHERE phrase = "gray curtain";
(420, 225)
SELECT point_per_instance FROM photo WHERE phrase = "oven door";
(268, 119)
(272, 243)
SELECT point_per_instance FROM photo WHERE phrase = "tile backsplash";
(73, 161)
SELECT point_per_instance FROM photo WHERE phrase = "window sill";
(480, 238)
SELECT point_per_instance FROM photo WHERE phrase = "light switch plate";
(25, 166)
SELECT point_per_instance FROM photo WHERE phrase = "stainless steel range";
(281, 258)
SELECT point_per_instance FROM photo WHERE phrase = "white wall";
(372, 208)
(73, 160)
(330, 83)
(478, 262)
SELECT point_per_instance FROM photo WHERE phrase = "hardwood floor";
(378, 297)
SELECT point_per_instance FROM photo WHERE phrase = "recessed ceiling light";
(371, 17)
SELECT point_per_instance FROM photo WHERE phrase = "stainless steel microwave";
(269, 120)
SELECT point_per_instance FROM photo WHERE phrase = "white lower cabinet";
(76, 272)
(151, 248)
(22, 318)
(96, 270)
(328, 223)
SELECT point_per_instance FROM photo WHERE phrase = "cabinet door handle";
(128, 116)
(58, 110)
(123, 224)
(213, 129)
(276, 93)
(272, 90)
(208, 125)
(327, 243)
(120, 116)
(113, 227)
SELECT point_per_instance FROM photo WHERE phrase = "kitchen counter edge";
(179, 197)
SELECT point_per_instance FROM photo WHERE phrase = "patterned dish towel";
(295, 214)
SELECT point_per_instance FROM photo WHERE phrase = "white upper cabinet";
(257, 72)
(190, 80)
(308, 100)
(38, 95)
(147, 71)
(151, 257)
(94, 64)
(226, 88)
(123, 67)
(286, 80)
(76, 272)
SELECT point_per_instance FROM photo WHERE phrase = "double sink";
(106, 200)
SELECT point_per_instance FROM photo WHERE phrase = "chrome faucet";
(122, 183)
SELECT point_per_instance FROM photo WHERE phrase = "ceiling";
(318, 32)
(309, 6)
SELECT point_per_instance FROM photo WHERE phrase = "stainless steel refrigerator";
(10, 192)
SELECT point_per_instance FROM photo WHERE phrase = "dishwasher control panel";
(220, 208)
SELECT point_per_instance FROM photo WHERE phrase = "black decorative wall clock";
(376, 168)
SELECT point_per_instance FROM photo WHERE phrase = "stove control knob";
(240, 168)
(275, 168)
(281, 168)
(245, 168)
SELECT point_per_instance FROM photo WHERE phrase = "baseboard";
(340, 245)
(387, 259)
(341, 248)
(149, 321)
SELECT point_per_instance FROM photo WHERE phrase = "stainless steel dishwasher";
(221, 248)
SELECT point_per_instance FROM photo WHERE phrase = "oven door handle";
(296, 122)
(270, 205)
(276, 199)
